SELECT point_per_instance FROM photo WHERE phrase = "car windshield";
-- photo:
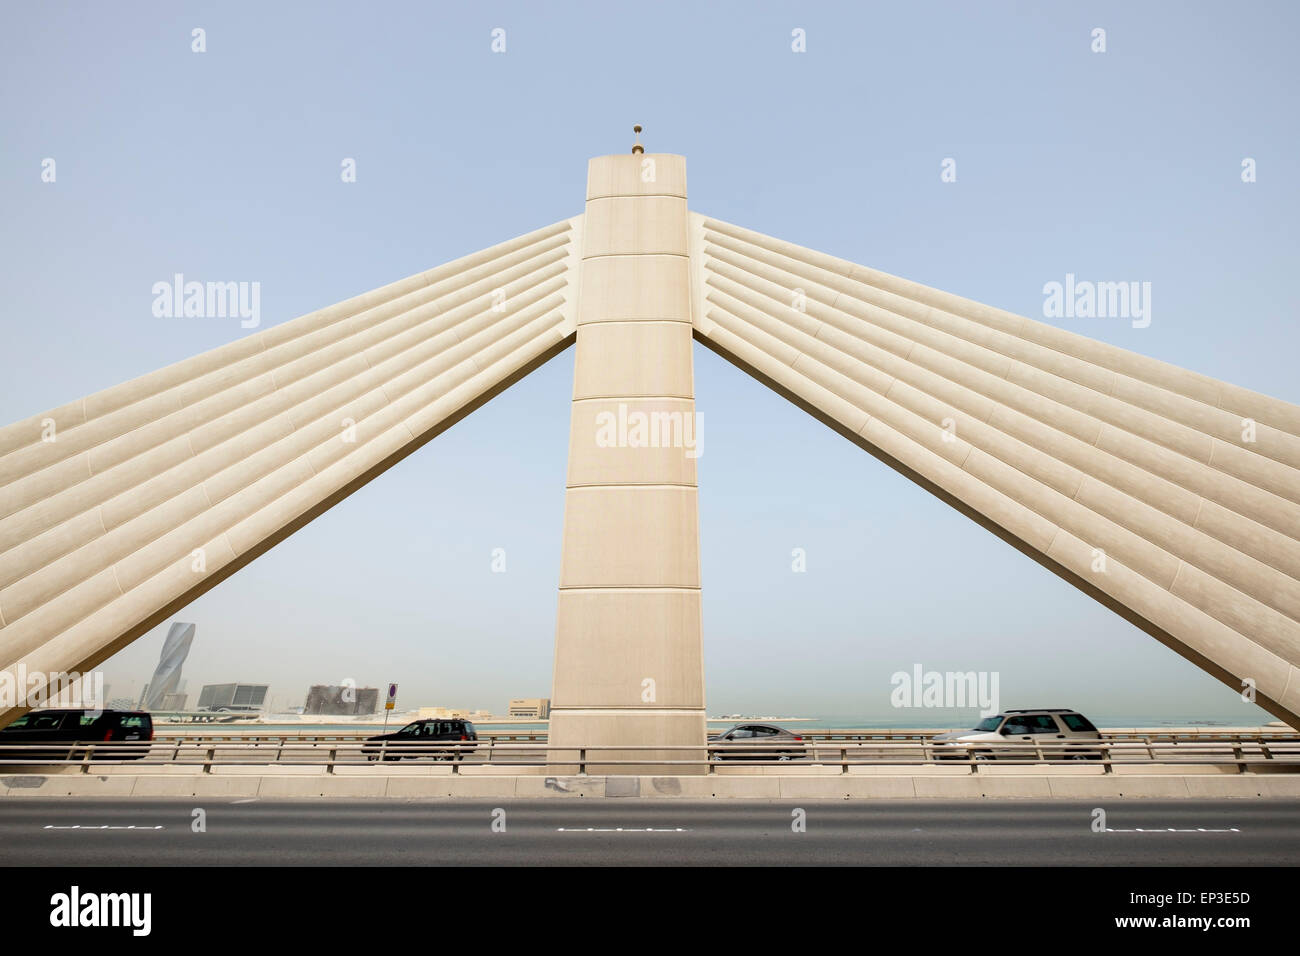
(988, 723)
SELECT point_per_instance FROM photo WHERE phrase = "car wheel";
(982, 755)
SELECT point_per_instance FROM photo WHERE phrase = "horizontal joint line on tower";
(637, 484)
(636, 196)
(632, 587)
(636, 398)
(625, 255)
(656, 321)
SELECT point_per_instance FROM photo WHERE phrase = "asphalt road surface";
(135, 832)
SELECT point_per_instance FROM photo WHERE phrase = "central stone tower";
(628, 658)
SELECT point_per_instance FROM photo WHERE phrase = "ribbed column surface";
(628, 661)
(1172, 497)
(151, 492)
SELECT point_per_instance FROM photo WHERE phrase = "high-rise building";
(242, 697)
(167, 676)
(341, 700)
(538, 708)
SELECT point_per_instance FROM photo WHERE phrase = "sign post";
(388, 709)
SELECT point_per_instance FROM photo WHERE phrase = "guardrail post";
(207, 763)
(844, 760)
(85, 758)
(582, 761)
(1239, 756)
(334, 753)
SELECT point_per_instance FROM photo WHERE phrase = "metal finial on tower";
(637, 147)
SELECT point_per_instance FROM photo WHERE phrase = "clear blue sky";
(225, 166)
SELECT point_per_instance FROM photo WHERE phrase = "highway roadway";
(139, 832)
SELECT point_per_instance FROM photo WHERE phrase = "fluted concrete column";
(628, 659)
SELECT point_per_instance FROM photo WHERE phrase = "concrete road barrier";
(873, 786)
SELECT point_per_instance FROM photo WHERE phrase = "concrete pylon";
(628, 658)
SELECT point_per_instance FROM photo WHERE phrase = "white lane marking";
(247, 800)
(1173, 830)
(622, 830)
(78, 826)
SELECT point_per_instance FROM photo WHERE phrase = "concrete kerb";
(846, 786)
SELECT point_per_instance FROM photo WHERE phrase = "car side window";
(741, 733)
(1078, 723)
(47, 722)
(764, 731)
(1014, 727)
(1042, 724)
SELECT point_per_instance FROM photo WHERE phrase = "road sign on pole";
(389, 704)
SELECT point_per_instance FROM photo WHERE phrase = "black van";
(121, 734)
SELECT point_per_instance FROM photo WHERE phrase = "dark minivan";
(439, 738)
(118, 734)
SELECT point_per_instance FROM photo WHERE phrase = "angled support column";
(1170, 497)
(628, 660)
(118, 509)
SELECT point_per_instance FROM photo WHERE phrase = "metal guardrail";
(1244, 755)
(818, 736)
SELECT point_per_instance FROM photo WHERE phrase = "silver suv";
(1055, 732)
